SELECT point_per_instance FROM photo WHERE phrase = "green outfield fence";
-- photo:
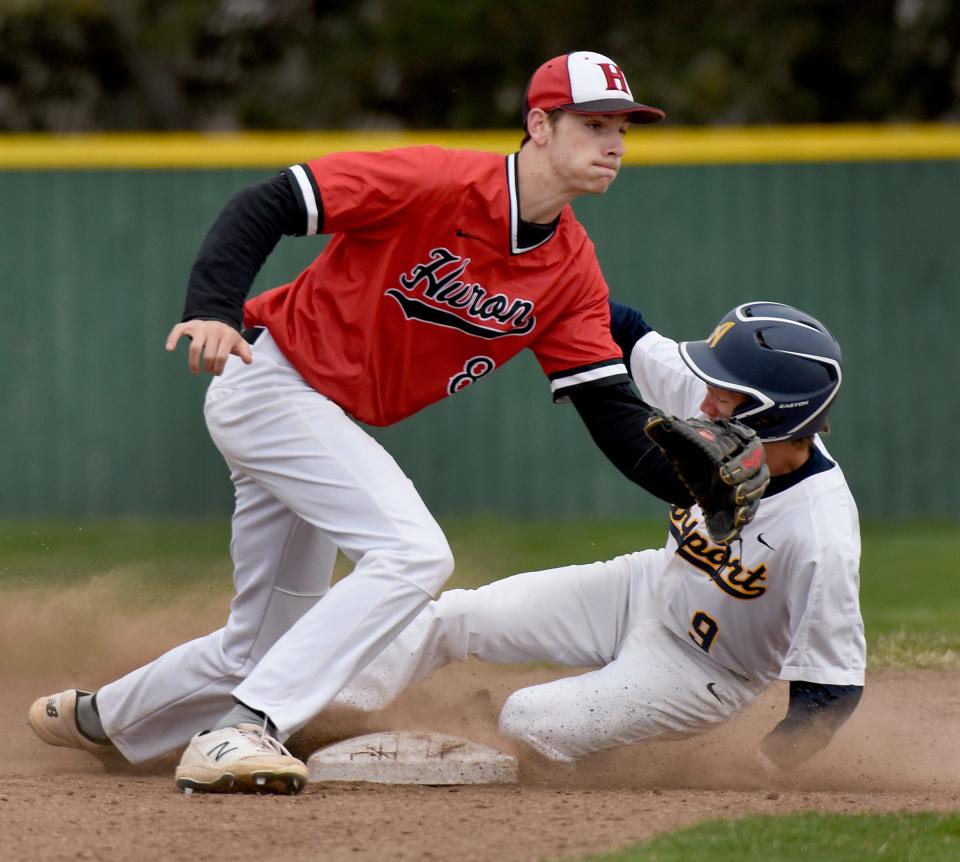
(856, 224)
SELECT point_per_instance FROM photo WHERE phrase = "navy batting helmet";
(785, 361)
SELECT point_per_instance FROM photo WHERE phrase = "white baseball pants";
(650, 682)
(308, 480)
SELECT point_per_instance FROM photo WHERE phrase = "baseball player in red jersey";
(442, 266)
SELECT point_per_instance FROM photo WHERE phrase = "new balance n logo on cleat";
(52, 708)
(219, 751)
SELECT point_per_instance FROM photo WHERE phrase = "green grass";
(60, 549)
(908, 576)
(910, 601)
(175, 553)
(490, 548)
(163, 554)
(909, 595)
(823, 837)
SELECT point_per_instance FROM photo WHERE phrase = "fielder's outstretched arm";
(615, 416)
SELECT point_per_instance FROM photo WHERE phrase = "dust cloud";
(904, 736)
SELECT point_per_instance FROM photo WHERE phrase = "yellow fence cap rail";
(796, 144)
(647, 146)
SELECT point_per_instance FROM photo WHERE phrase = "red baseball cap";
(585, 83)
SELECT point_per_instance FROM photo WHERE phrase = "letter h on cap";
(616, 80)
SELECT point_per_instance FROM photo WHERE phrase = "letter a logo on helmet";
(786, 362)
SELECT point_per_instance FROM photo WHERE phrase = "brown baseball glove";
(722, 464)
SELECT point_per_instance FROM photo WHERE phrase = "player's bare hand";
(211, 343)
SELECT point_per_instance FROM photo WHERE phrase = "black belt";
(252, 334)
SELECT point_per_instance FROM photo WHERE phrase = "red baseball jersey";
(423, 288)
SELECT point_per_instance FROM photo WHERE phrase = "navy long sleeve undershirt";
(241, 238)
(816, 711)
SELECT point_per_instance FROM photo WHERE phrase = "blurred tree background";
(124, 65)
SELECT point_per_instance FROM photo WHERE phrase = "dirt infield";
(900, 751)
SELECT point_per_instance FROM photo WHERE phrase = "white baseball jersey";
(785, 604)
(682, 637)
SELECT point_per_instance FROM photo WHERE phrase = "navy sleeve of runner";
(627, 327)
(814, 714)
(242, 237)
(615, 416)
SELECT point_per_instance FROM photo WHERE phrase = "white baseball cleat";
(54, 719)
(242, 759)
